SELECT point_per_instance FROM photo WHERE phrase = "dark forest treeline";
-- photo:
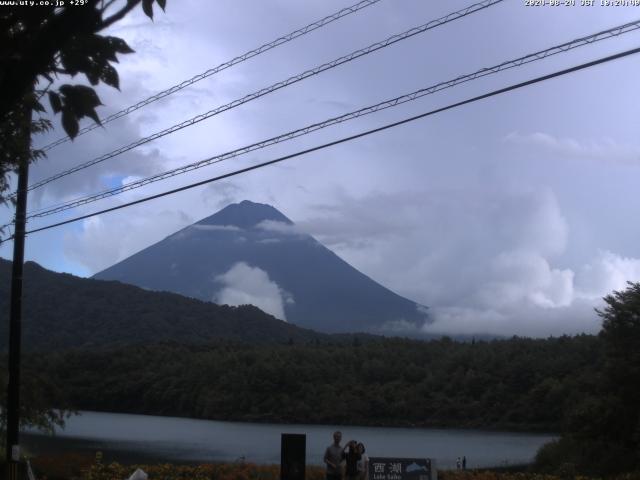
(516, 384)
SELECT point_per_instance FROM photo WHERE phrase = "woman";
(351, 456)
(363, 463)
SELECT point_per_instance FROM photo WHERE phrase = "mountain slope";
(63, 311)
(252, 253)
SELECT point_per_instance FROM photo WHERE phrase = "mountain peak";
(233, 259)
(245, 214)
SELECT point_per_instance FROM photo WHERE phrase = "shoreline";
(261, 420)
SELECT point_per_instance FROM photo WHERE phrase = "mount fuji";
(250, 253)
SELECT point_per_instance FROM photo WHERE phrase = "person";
(333, 456)
(363, 463)
(458, 463)
(352, 456)
(464, 462)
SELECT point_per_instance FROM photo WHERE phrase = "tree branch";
(44, 90)
(131, 4)
(105, 7)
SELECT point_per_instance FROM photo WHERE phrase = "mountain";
(63, 311)
(251, 253)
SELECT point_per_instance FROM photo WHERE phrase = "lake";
(126, 438)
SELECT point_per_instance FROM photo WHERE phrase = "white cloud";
(529, 321)
(524, 295)
(605, 273)
(244, 284)
(220, 194)
(605, 149)
(483, 261)
(280, 227)
(213, 228)
(525, 278)
(104, 241)
(437, 246)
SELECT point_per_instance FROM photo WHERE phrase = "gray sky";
(513, 215)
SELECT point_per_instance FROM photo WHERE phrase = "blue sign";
(399, 468)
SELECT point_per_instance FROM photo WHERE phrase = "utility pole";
(15, 320)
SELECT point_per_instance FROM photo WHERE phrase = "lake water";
(136, 437)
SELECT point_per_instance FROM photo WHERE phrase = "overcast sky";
(513, 215)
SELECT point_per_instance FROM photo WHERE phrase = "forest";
(519, 384)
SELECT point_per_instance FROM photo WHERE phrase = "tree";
(603, 428)
(40, 43)
(621, 336)
(39, 393)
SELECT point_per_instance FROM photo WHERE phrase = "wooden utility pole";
(15, 320)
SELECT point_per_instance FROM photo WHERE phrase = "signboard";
(400, 469)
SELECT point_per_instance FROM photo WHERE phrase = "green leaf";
(93, 76)
(120, 45)
(109, 76)
(92, 114)
(80, 101)
(69, 64)
(69, 123)
(37, 107)
(66, 89)
(41, 125)
(147, 8)
(107, 49)
(86, 95)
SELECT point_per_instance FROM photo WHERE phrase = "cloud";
(605, 273)
(280, 227)
(605, 149)
(221, 194)
(113, 172)
(244, 284)
(529, 321)
(524, 295)
(525, 278)
(225, 228)
(437, 245)
(484, 261)
(104, 241)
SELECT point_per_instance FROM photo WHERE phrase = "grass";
(83, 466)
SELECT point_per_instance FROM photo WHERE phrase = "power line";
(276, 86)
(587, 40)
(223, 66)
(352, 137)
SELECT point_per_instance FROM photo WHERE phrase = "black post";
(293, 456)
(15, 321)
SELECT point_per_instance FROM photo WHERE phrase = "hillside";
(63, 311)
